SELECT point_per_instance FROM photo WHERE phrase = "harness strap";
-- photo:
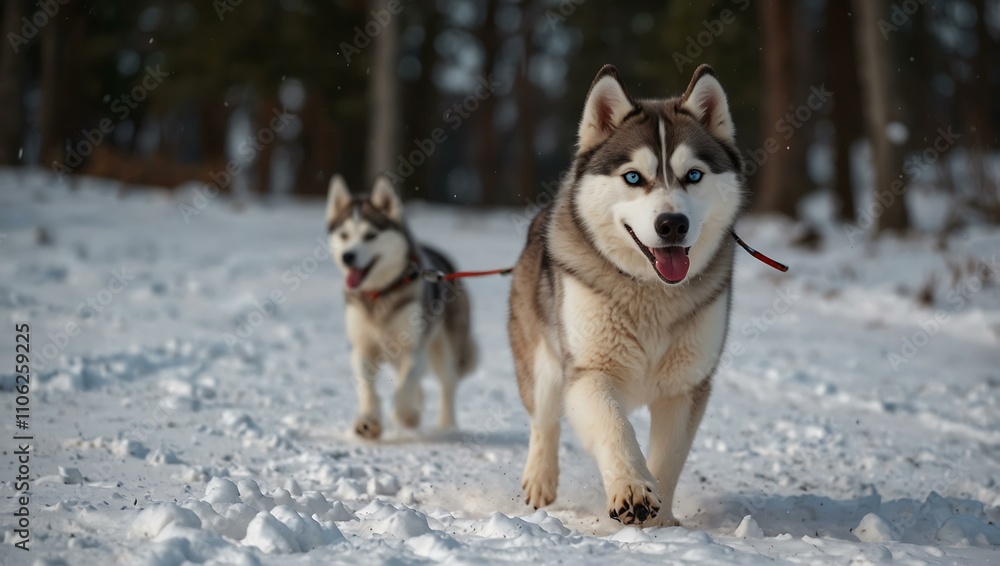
(408, 276)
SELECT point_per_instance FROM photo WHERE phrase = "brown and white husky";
(394, 316)
(621, 296)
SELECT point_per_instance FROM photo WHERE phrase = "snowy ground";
(838, 450)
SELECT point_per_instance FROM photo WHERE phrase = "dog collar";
(409, 276)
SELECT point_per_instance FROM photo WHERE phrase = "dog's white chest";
(647, 352)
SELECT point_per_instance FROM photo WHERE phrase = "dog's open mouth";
(355, 276)
(671, 263)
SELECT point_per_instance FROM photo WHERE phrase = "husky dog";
(393, 315)
(621, 296)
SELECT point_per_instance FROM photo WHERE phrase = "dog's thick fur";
(393, 315)
(595, 328)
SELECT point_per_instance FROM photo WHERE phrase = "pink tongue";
(672, 263)
(354, 277)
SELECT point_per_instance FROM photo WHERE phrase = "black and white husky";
(394, 316)
(621, 296)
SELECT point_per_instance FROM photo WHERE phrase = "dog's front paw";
(633, 502)
(539, 483)
(368, 427)
(408, 417)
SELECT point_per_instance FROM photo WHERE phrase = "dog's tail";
(458, 326)
(468, 355)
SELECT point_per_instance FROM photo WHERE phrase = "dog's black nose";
(672, 226)
(348, 258)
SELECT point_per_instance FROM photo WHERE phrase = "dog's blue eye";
(694, 176)
(632, 178)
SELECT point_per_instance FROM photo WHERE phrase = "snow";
(873, 528)
(749, 529)
(198, 409)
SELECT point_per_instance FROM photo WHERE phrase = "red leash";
(431, 275)
(761, 257)
(435, 276)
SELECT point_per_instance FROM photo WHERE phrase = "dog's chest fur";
(388, 320)
(654, 340)
(640, 336)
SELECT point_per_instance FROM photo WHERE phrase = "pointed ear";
(707, 102)
(607, 105)
(384, 198)
(338, 198)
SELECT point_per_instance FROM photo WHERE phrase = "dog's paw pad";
(368, 428)
(633, 503)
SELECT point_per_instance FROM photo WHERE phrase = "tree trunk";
(873, 62)
(422, 112)
(484, 139)
(927, 101)
(383, 100)
(11, 86)
(263, 162)
(846, 113)
(318, 144)
(213, 127)
(980, 119)
(524, 182)
(52, 142)
(779, 182)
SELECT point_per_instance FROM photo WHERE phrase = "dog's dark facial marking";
(365, 210)
(641, 129)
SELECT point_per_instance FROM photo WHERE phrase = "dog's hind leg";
(408, 400)
(365, 366)
(541, 471)
(673, 424)
(442, 359)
